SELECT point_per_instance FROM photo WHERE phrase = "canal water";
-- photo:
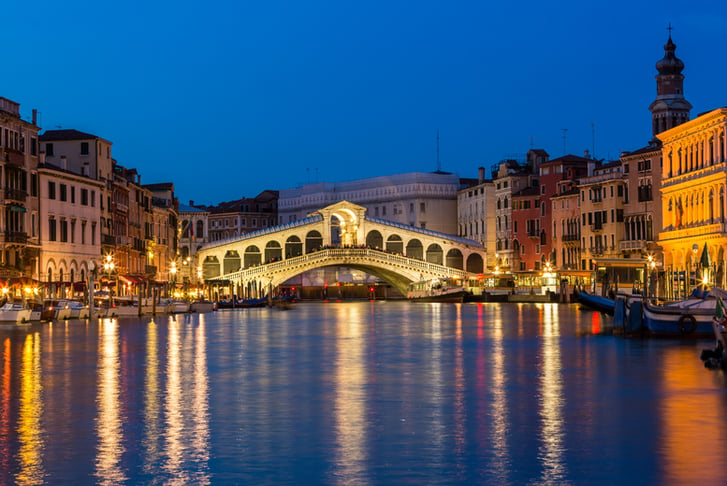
(358, 393)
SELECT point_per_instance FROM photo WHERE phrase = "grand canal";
(357, 393)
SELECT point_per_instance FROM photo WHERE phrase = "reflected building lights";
(200, 407)
(174, 446)
(29, 430)
(152, 432)
(5, 409)
(551, 453)
(350, 403)
(108, 421)
(500, 424)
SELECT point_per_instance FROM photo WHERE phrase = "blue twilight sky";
(226, 98)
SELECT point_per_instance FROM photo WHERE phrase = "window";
(64, 192)
(64, 230)
(51, 190)
(84, 197)
(51, 229)
(421, 208)
(84, 148)
(93, 199)
(73, 231)
(83, 232)
(34, 185)
(73, 195)
(93, 233)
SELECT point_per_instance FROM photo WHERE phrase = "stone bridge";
(340, 235)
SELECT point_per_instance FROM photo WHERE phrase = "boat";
(437, 290)
(595, 302)
(177, 307)
(15, 312)
(692, 317)
(202, 306)
(69, 309)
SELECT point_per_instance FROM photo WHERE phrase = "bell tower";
(670, 108)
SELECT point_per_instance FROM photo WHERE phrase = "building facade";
(423, 199)
(693, 185)
(476, 215)
(19, 219)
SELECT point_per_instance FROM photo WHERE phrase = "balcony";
(571, 238)
(151, 270)
(18, 195)
(16, 237)
(597, 226)
(108, 240)
(692, 231)
(633, 245)
(12, 156)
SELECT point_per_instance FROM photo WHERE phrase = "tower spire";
(670, 107)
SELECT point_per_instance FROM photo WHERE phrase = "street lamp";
(108, 266)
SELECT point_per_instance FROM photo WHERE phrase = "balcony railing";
(12, 156)
(16, 237)
(14, 194)
(690, 231)
(632, 245)
(571, 237)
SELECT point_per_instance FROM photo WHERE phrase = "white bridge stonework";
(340, 235)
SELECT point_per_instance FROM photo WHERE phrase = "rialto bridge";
(339, 235)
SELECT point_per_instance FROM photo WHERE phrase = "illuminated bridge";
(339, 235)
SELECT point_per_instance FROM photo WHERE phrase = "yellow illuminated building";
(693, 201)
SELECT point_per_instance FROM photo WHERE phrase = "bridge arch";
(231, 262)
(293, 247)
(374, 240)
(455, 259)
(395, 244)
(253, 257)
(273, 251)
(415, 249)
(475, 263)
(435, 254)
(313, 241)
(211, 266)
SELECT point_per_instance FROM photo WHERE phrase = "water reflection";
(109, 420)
(551, 449)
(31, 409)
(152, 430)
(687, 405)
(499, 411)
(350, 401)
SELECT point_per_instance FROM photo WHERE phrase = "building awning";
(17, 209)
(132, 279)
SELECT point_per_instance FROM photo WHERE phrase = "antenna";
(565, 132)
(531, 143)
(439, 164)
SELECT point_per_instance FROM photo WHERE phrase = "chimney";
(480, 175)
(64, 164)
(35, 116)
(586, 154)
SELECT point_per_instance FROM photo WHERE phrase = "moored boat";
(692, 317)
(437, 290)
(595, 302)
(15, 312)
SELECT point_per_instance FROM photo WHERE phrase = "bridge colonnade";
(255, 262)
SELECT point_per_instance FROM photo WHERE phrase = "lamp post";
(173, 273)
(199, 281)
(108, 266)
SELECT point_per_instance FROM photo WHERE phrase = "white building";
(423, 199)
(476, 215)
(70, 211)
